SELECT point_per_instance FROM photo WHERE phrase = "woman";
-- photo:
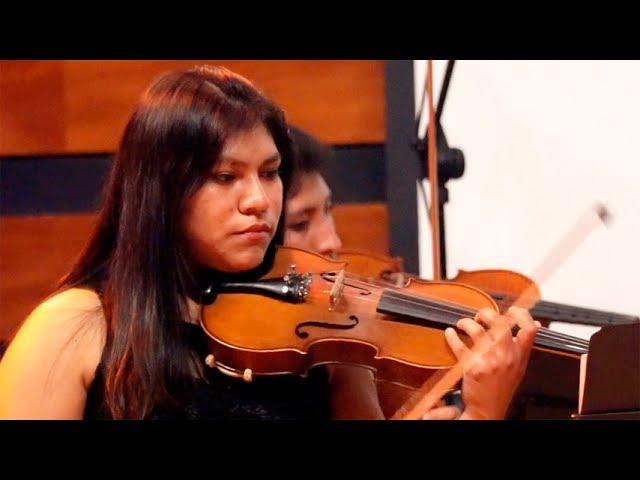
(195, 196)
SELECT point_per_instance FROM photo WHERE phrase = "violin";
(309, 310)
(504, 286)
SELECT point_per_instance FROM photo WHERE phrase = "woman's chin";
(246, 261)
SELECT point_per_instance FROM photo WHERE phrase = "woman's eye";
(299, 226)
(271, 174)
(224, 178)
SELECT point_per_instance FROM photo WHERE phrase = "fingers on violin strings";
(458, 347)
(528, 328)
(472, 328)
(468, 358)
(497, 326)
(487, 317)
(501, 333)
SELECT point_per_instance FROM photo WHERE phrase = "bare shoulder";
(71, 301)
(70, 319)
(53, 357)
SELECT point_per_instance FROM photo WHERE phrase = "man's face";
(309, 223)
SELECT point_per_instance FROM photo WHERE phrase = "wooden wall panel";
(363, 226)
(32, 114)
(82, 106)
(35, 252)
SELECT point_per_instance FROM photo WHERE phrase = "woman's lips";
(256, 233)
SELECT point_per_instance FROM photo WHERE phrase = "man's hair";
(311, 156)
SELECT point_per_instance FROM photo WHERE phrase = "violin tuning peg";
(247, 376)
(210, 361)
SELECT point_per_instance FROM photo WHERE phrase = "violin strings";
(556, 338)
(541, 308)
(418, 301)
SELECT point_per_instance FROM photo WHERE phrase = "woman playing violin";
(195, 195)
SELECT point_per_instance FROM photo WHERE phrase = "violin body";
(373, 267)
(340, 320)
(505, 286)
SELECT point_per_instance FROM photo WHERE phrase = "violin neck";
(416, 310)
(424, 312)
(558, 312)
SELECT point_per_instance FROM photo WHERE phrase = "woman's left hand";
(489, 384)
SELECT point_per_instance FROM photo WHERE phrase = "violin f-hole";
(335, 326)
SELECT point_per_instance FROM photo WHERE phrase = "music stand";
(610, 375)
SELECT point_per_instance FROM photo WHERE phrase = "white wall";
(543, 141)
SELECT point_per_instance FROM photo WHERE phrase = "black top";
(220, 397)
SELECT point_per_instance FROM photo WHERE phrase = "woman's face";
(230, 221)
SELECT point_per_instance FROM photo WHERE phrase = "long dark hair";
(135, 258)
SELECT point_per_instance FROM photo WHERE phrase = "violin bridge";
(336, 290)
